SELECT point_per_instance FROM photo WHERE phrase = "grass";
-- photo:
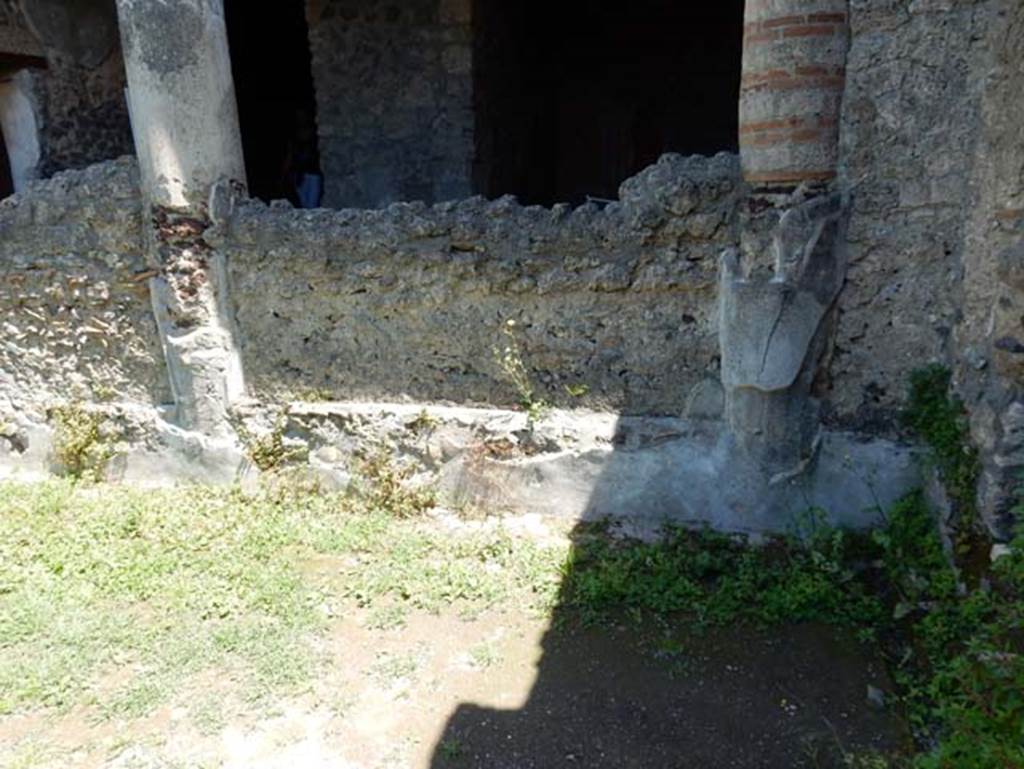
(485, 655)
(720, 580)
(110, 598)
(388, 669)
(960, 654)
(114, 596)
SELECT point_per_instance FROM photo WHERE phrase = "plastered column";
(20, 129)
(185, 122)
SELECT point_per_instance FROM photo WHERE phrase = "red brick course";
(783, 176)
(779, 28)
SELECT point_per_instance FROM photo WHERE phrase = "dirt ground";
(505, 690)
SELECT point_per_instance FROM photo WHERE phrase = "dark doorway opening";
(270, 61)
(6, 179)
(574, 97)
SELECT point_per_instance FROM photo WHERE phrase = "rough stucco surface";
(394, 91)
(410, 301)
(909, 124)
(933, 156)
(990, 338)
(82, 114)
(14, 35)
(75, 320)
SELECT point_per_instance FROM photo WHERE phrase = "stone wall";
(75, 317)
(932, 156)
(394, 91)
(15, 39)
(909, 124)
(617, 305)
(989, 339)
(614, 307)
(78, 98)
(82, 112)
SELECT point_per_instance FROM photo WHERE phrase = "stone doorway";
(270, 61)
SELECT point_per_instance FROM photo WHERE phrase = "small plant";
(388, 669)
(939, 419)
(208, 716)
(311, 395)
(961, 668)
(450, 749)
(509, 358)
(79, 446)
(485, 655)
(269, 452)
(390, 617)
(104, 392)
(673, 653)
(388, 487)
(423, 422)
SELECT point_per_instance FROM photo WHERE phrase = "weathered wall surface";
(78, 99)
(909, 125)
(394, 90)
(75, 316)
(932, 152)
(990, 337)
(15, 38)
(82, 114)
(410, 301)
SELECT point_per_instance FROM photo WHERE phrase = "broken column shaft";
(794, 69)
(185, 123)
(775, 320)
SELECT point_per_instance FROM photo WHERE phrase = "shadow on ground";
(732, 697)
(664, 694)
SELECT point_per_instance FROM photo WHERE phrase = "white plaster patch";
(20, 130)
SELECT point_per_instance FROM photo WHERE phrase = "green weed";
(388, 669)
(718, 580)
(939, 418)
(485, 655)
(390, 617)
(79, 446)
(268, 451)
(450, 749)
(960, 662)
(388, 486)
(509, 359)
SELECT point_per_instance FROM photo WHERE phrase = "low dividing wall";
(615, 312)
(410, 302)
(75, 316)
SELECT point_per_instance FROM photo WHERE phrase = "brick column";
(794, 63)
(182, 103)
